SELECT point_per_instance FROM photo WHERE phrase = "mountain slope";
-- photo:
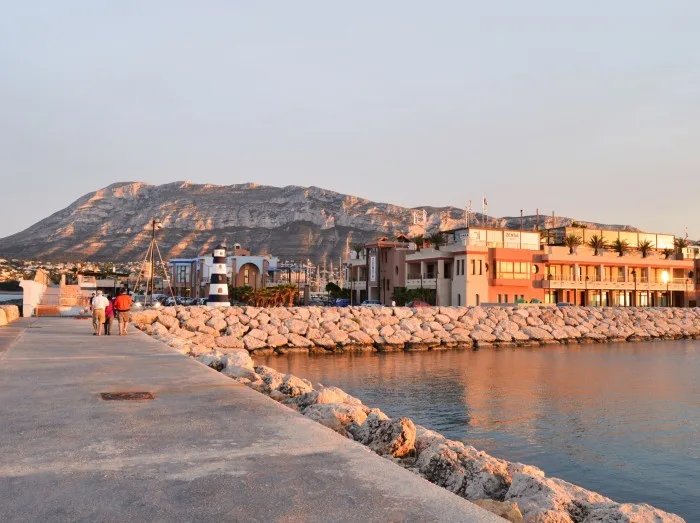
(114, 223)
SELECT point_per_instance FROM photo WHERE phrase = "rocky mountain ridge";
(114, 223)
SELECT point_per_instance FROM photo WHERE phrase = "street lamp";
(634, 277)
(585, 294)
(664, 278)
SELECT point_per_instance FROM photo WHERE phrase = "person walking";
(99, 304)
(122, 305)
(109, 316)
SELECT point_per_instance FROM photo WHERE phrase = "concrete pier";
(205, 449)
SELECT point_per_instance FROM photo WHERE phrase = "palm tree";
(667, 253)
(680, 244)
(419, 241)
(436, 239)
(596, 243)
(572, 241)
(620, 246)
(644, 247)
(357, 248)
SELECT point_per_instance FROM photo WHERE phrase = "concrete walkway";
(205, 449)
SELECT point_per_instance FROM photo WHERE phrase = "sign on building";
(372, 268)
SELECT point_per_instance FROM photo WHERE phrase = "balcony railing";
(498, 245)
(417, 276)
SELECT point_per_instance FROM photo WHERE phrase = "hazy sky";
(591, 109)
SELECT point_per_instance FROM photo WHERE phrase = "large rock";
(540, 498)
(296, 326)
(336, 416)
(293, 386)
(229, 342)
(212, 360)
(218, 324)
(630, 513)
(270, 377)
(276, 340)
(237, 358)
(147, 316)
(505, 509)
(387, 437)
(324, 395)
(170, 322)
(11, 312)
(464, 470)
(251, 343)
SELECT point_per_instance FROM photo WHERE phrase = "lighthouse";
(218, 286)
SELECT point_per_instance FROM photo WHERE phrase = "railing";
(513, 275)
(418, 276)
(498, 245)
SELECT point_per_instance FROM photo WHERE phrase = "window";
(459, 300)
(481, 265)
(499, 298)
(513, 270)
(245, 276)
(477, 300)
(183, 273)
(505, 300)
(473, 266)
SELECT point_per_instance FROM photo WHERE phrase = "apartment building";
(478, 265)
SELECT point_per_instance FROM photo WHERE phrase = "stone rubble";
(8, 314)
(513, 491)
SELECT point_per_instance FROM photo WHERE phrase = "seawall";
(197, 330)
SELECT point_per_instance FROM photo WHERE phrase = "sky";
(589, 109)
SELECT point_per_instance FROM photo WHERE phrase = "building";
(374, 273)
(479, 265)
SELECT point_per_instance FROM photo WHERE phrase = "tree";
(644, 247)
(620, 246)
(419, 241)
(680, 244)
(335, 291)
(436, 239)
(358, 248)
(572, 241)
(597, 243)
(667, 253)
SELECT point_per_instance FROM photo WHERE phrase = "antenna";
(148, 267)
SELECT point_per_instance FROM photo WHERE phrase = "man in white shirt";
(99, 304)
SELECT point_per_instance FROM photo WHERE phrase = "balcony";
(425, 283)
(677, 284)
(356, 285)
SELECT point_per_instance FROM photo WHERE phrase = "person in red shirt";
(122, 304)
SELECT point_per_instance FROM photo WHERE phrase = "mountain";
(294, 223)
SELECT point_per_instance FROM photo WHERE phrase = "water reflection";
(622, 419)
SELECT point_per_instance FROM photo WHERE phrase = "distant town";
(464, 266)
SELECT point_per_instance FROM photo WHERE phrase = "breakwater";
(513, 490)
(8, 313)
(198, 330)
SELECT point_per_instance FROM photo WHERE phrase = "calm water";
(620, 419)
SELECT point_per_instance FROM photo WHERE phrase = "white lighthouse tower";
(218, 286)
